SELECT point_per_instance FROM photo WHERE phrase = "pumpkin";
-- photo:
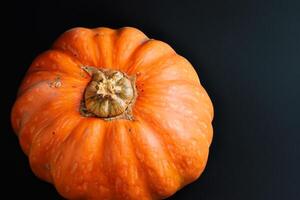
(112, 114)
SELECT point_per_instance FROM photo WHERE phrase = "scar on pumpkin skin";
(56, 83)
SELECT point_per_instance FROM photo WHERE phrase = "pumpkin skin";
(163, 148)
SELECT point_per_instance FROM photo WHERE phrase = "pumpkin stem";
(109, 95)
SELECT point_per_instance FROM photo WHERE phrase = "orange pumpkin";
(112, 114)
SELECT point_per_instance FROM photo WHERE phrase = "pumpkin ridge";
(69, 54)
(157, 131)
(122, 34)
(31, 87)
(160, 71)
(41, 129)
(99, 153)
(37, 74)
(60, 116)
(176, 164)
(56, 99)
(56, 154)
(138, 57)
(24, 98)
(107, 165)
(153, 63)
(148, 91)
(85, 52)
(161, 129)
(104, 60)
(178, 179)
(54, 62)
(149, 67)
(28, 91)
(139, 163)
(32, 133)
(119, 144)
(114, 39)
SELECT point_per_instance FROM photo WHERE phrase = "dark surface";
(247, 54)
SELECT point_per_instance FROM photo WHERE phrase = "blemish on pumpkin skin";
(89, 167)
(67, 189)
(47, 166)
(74, 167)
(84, 186)
(31, 129)
(83, 74)
(30, 98)
(56, 83)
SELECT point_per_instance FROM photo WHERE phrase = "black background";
(247, 54)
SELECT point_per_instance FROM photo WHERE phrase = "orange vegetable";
(112, 114)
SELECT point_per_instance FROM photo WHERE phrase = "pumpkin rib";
(26, 112)
(110, 155)
(55, 160)
(56, 60)
(32, 119)
(30, 88)
(40, 130)
(158, 134)
(57, 98)
(191, 68)
(139, 163)
(127, 43)
(69, 54)
(27, 98)
(107, 160)
(123, 167)
(73, 147)
(32, 131)
(200, 134)
(154, 89)
(140, 71)
(162, 183)
(169, 68)
(45, 143)
(149, 52)
(204, 136)
(151, 66)
(104, 42)
(99, 175)
(34, 79)
(67, 137)
(145, 110)
(35, 138)
(181, 170)
(78, 42)
(27, 81)
(142, 176)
